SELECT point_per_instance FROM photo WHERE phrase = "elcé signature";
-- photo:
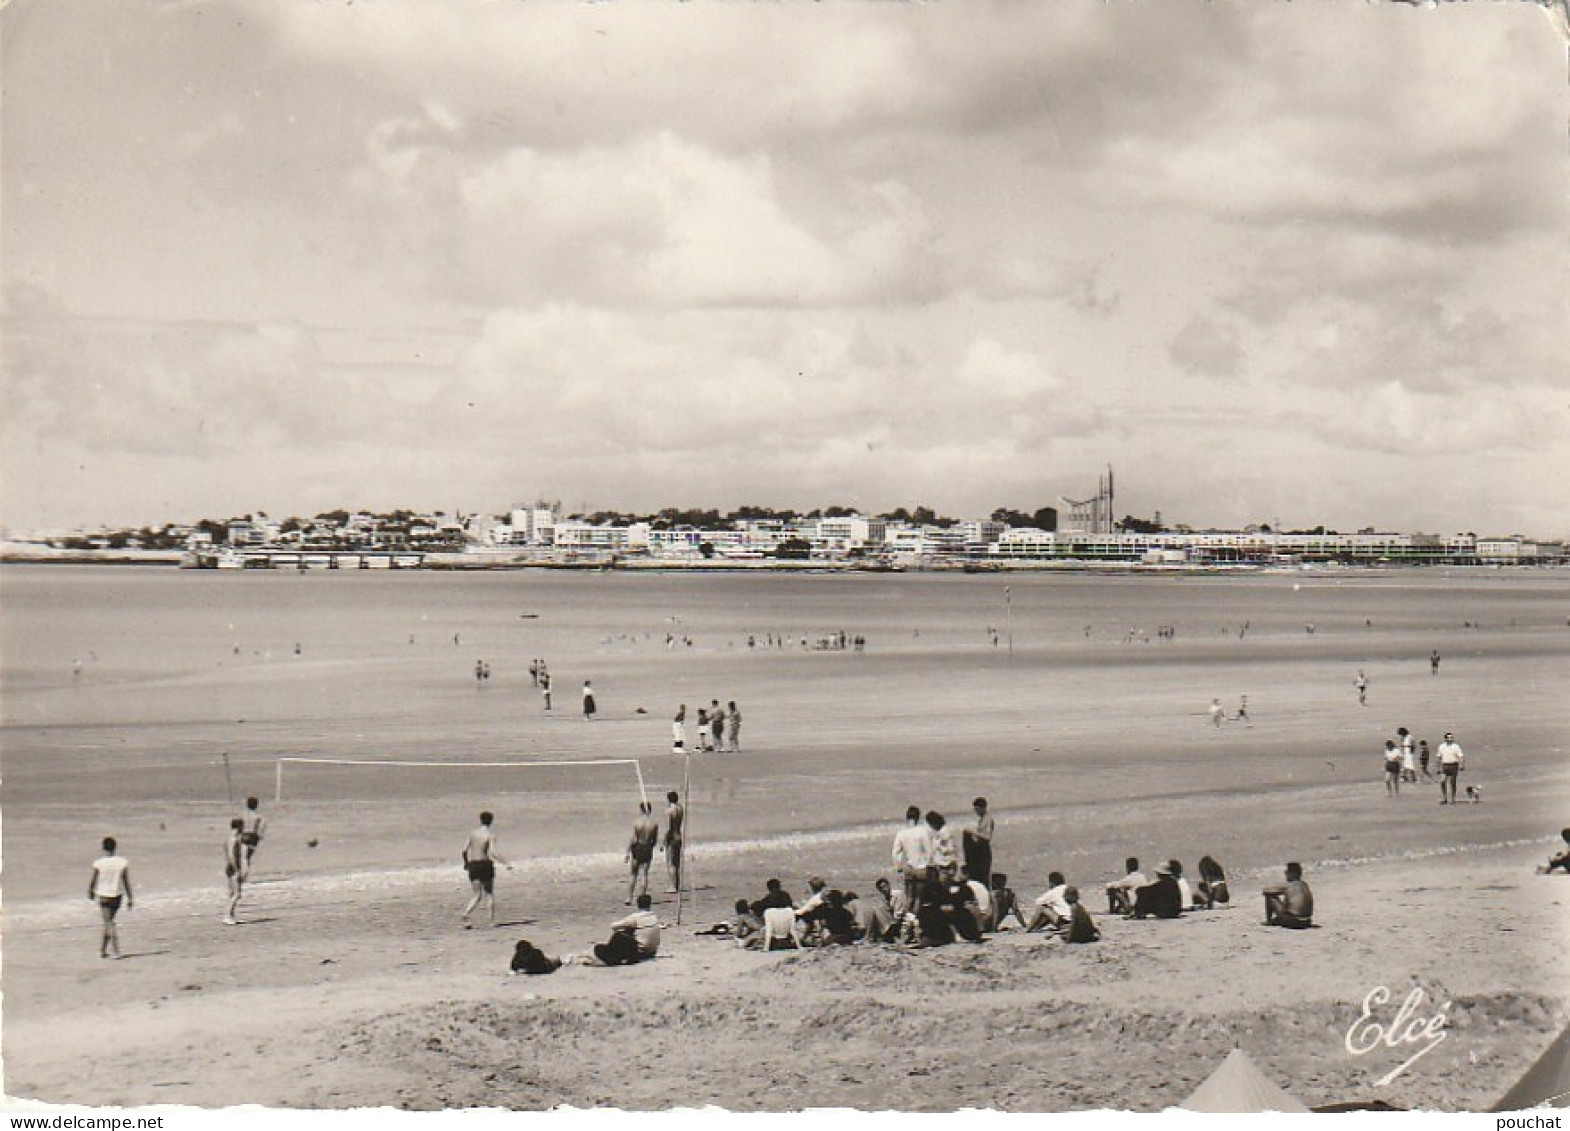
(1408, 1027)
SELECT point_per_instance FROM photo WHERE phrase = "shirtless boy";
(479, 861)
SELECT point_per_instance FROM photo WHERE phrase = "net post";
(278, 780)
(684, 880)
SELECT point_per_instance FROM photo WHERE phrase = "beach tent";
(1237, 1086)
(1546, 1083)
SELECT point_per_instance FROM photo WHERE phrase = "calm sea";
(135, 623)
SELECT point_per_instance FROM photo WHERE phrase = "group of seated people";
(1290, 904)
(941, 908)
(1170, 893)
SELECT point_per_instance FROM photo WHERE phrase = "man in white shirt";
(913, 856)
(1052, 909)
(981, 899)
(1451, 759)
(111, 881)
(633, 938)
(1120, 893)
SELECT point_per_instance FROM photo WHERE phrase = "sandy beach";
(352, 983)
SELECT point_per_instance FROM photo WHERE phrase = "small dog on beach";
(1474, 794)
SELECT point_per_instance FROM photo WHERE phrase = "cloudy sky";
(1306, 263)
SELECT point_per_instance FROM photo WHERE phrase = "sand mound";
(852, 1028)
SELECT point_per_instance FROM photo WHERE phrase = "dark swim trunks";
(250, 840)
(1450, 769)
(482, 870)
(111, 903)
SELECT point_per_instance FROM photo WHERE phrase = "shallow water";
(1084, 741)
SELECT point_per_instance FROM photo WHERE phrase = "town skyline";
(1047, 517)
(1306, 265)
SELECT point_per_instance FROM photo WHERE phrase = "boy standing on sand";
(234, 869)
(675, 816)
(251, 832)
(640, 850)
(479, 861)
(977, 842)
(1361, 683)
(913, 856)
(1392, 768)
(111, 880)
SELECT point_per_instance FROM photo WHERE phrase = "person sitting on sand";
(1562, 859)
(1290, 904)
(980, 897)
(946, 912)
(1185, 889)
(1120, 893)
(932, 922)
(1004, 903)
(905, 925)
(1081, 927)
(746, 927)
(779, 929)
(875, 914)
(741, 924)
(960, 908)
(635, 938)
(1051, 909)
(774, 896)
(817, 894)
(810, 912)
(1161, 899)
(530, 959)
(1212, 884)
(836, 924)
